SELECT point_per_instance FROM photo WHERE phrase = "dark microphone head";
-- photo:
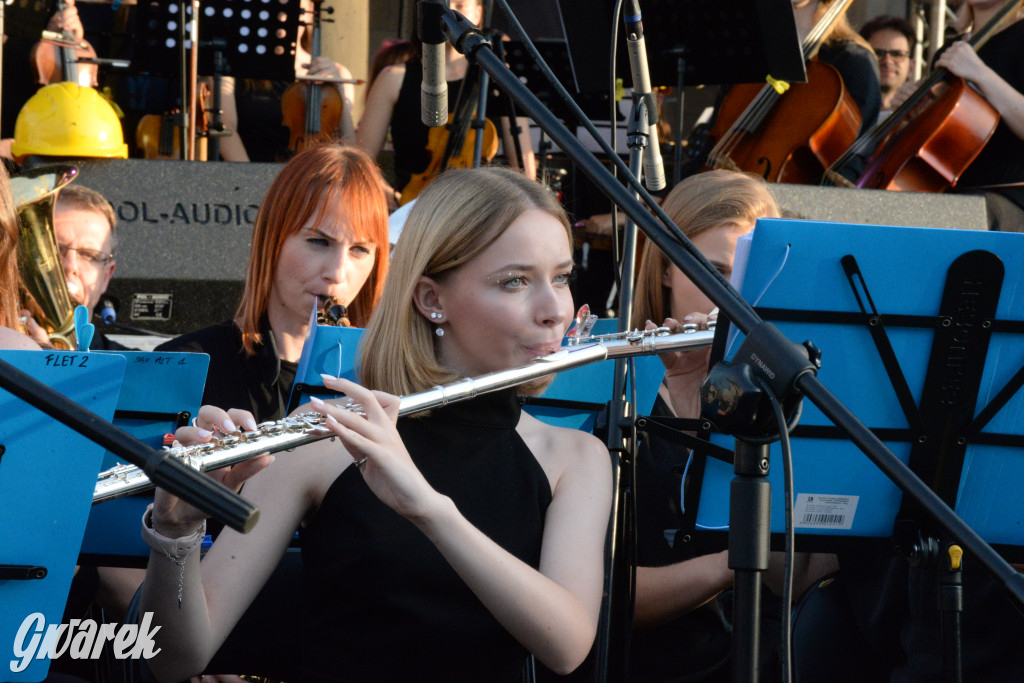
(108, 314)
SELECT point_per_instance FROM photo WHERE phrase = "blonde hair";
(458, 216)
(700, 203)
(9, 279)
(320, 177)
(841, 31)
(964, 21)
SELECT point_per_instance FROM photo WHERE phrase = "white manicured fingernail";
(203, 433)
(229, 426)
(250, 424)
(315, 401)
(328, 378)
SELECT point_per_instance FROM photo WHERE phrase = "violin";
(157, 135)
(788, 133)
(55, 58)
(930, 139)
(311, 111)
(452, 145)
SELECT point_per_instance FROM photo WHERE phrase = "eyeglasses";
(96, 258)
(895, 54)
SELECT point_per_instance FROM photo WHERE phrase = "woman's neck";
(289, 335)
(455, 64)
(983, 12)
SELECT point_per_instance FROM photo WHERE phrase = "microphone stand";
(620, 438)
(769, 356)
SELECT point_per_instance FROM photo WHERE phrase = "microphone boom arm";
(469, 42)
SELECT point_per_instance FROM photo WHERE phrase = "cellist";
(788, 134)
(850, 54)
(997, 70)
(394, 102)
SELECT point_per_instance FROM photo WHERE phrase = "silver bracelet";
(177, 550)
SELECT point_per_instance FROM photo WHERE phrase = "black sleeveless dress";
(382, 604)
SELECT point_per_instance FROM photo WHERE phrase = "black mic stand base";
(749, 529)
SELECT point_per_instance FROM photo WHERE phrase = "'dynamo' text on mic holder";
(770, 357)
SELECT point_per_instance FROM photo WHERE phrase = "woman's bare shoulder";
(561, 449)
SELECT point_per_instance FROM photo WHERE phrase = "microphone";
(434, 89)
(107, 313)
(654, 168)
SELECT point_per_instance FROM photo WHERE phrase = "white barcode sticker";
(824, 511)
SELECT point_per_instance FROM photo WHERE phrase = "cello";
(788, 133)
(933, 136)
(312, 112)
(55, 58)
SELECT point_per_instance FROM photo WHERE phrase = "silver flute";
(291, 432)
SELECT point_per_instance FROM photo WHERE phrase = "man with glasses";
(84, 223)
(892, 39)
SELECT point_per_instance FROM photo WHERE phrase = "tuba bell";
(42, 273)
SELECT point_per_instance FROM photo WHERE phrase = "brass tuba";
(42, 273)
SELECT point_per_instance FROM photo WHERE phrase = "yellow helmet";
(68, 120)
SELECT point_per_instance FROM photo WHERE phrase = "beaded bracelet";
(177, 550)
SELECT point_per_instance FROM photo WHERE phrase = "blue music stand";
(161, 392)
(912, 322)
(328, 350)
(576, 396)
(47, 477)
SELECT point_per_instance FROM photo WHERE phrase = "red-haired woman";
(322, 231)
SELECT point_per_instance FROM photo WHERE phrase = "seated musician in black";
(394, 103)
(855, 61)
(997, 70)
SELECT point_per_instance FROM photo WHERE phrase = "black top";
(859, 70)
(382, 602)
(260, 383)
(1002, 159)
(260, 119)
(696, 644)
(100, 342)
(408, 134)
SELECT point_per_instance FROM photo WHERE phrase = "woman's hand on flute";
(377, 449)
(174, 518)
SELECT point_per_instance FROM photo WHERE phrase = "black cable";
(612, 135)
(734, 297)
(786, 627)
